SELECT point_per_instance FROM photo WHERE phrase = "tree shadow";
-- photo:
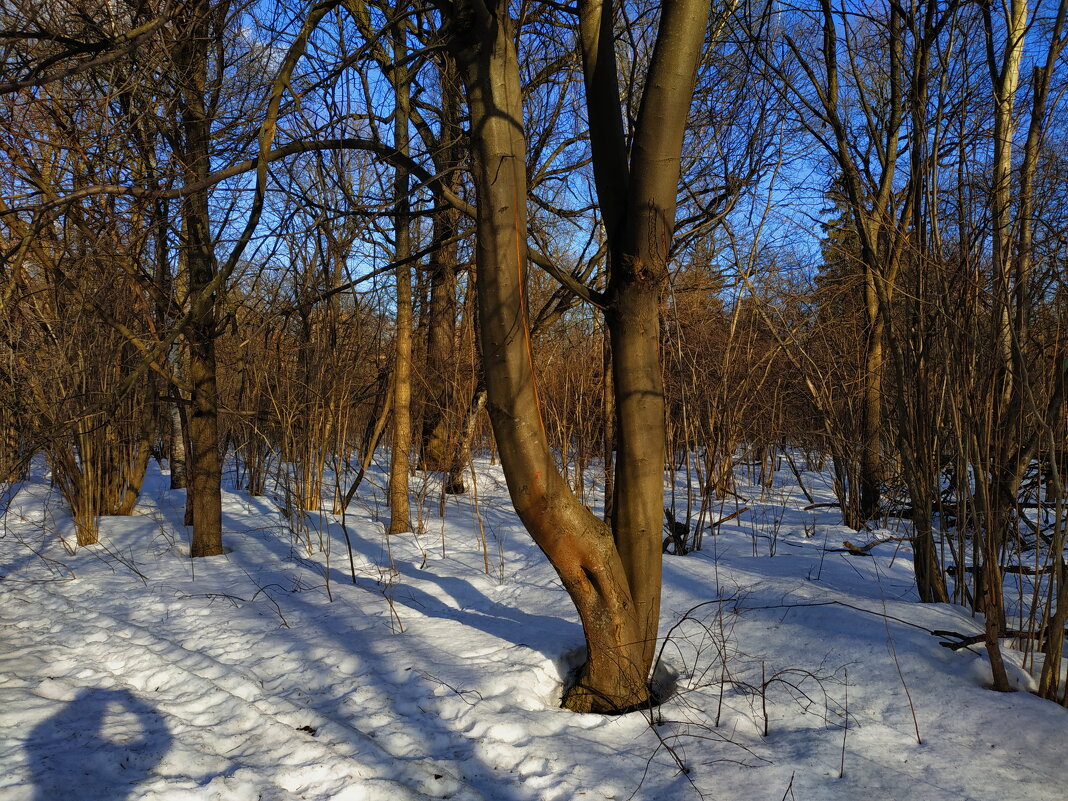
(459, 600)
(100, 745)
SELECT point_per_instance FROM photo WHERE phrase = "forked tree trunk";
(612, 575)
(637, 201)
(579, 546)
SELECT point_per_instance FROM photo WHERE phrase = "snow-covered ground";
(128, 671)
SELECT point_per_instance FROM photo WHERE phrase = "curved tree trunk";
(579, 546)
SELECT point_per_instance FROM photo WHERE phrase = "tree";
(612, 575)
(441, 445)
(399, 514)
(852, 102)
(1012, 440)
(198, 251)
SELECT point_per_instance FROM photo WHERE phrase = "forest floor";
(800, 670)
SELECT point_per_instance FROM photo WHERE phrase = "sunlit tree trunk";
(637, 200)
(1012, 446)
(871, 418)
(612, 575)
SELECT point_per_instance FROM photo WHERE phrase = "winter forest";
(533, 400)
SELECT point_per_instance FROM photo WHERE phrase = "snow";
(128, 671)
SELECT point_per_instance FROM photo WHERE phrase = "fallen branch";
(955, 641)
(1022, 570)
(864, 550)
(731, 516)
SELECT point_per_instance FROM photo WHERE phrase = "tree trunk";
(135, 459)
(399, 510)
(871, 423)
(179, 472)
(608, 408)
(440, 441)
(639, 226)
(579, 546)
(638, 505)
(205, 465)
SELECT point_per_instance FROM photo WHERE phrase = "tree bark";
(639, 225)
(399, 509)
(134, 462)
(608, 409)
(442, 418)
(205, 464)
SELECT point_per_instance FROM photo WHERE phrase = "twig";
(865, 549)
(233, 598)
(897, 663)
(764, 697)
(348, 542)
(47, 559)
(789, 789)
(845, 731)
(478, 515)
(797, 475)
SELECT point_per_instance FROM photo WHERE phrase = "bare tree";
(613, 575)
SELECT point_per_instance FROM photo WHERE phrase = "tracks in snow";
(217, 711)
